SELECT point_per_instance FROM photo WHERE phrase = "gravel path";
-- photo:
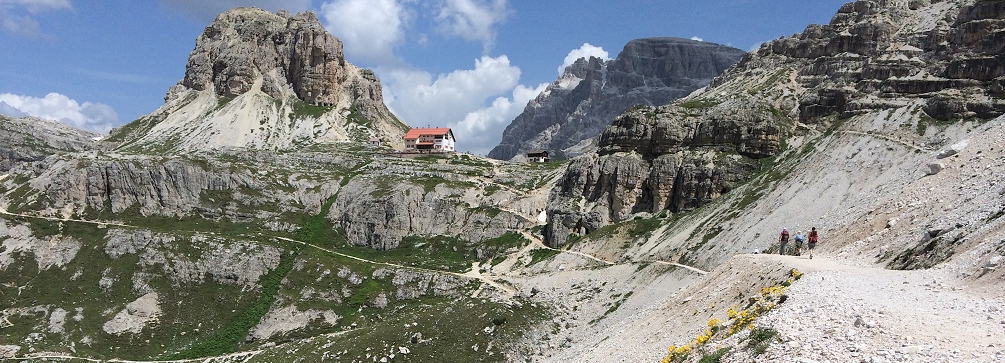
(839, 313)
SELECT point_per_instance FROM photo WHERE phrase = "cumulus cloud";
(586, 51)
(482, 129)
(16, 16)
(369, 29)
(206, 11)
(422, 100)
(473, 20)
(95, 117)
(697, 38)
(458, 100)
(477, 103)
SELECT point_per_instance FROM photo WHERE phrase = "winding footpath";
(537, 243)
(474, 273)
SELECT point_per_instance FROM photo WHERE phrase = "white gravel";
(875, 315)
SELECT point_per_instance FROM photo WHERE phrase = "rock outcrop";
(381, 218)
(876, 55)
(31, 139)
(662, 158)
(923, 63)
(592, 92)
(265, 81)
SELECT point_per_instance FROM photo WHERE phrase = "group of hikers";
(783, 240)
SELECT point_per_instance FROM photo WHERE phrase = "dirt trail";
(537, 243)
(474, 273)
(229, 358)
(844, 313)
(5, 212)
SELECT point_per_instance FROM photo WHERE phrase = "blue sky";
(467, 64)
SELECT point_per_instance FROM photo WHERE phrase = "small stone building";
(538, 157)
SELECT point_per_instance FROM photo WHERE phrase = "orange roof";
(416, 132)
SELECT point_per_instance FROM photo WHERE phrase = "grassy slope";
(211, 317)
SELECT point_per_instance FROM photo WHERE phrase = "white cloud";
(482, 129)
(697, 38)
(755, 47)
(473, 20)
(369, 29)
(16, 15)
(95, 117)
(36, 6)
(458, 100)
(586, 51)
(421, 100)
(206, 11)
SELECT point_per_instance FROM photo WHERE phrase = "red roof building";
(437, 139)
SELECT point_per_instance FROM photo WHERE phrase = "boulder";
(934, 168)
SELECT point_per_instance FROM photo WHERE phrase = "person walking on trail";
(799, 243)
(783, 239)
(814, 238)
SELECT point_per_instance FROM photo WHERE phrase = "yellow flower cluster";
(676, 352)
(739, 319)
(796, 274)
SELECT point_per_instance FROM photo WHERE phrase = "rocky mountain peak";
(289, 52)
(905, 70)
(592, 92)
(266, 81)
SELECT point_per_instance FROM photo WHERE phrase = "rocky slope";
(868, 154)
(338, 253)
(918, 65)
(265, 81)
(592, 92)
(31, 139)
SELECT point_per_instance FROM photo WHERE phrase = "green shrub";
(760, 339)
(714, 357)
(229, 338)
(542, 254)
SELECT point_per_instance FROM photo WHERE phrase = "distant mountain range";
(592, 92)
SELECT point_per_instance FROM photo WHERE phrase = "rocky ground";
(838, 313)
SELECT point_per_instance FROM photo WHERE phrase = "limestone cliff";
(32, 139)
(901, 69)
(673, 157)
(265, 81)
(592, 92)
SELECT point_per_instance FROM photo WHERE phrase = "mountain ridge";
(591, 92)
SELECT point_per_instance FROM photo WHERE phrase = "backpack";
(785, 235)
(813, 236)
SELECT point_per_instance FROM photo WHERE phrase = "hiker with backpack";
(799, 243)
(783, 239)
(814, 237)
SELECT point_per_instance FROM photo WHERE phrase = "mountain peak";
(592, 92)
(267, 81)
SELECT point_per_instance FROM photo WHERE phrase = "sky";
(471, 65)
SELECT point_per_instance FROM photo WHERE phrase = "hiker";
(799, 243)
(783, 239)
(813, 241)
